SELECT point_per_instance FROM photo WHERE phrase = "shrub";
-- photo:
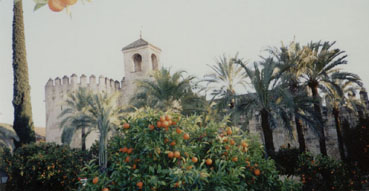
(286, 160)
(157, 151)
(323, 173)
(44, 166)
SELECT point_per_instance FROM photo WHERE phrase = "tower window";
(137, 59)
(154, 62)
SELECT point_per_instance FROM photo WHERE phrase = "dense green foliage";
(237, 160)
(323, 173)
(43, 167)
(23, 124)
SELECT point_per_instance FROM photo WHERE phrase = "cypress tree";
(23, 124)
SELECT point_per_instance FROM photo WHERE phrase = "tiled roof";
(138, 43)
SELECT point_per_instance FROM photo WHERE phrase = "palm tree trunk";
(339, 133)
(23, 123)
(83, 138)
(323, 148)
(268, 134)
(300, 135)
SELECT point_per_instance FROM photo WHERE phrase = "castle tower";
(140, 59)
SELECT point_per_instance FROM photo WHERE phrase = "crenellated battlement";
(74, 82)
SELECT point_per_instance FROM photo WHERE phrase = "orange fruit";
(95, 180)
(130, 150)
(174, 123)
(151, 127)
(127, 159)
(126, 126)
(172, 143)
(178, 130)
(105, 189)
(189, 167)
(134, 166)
(170, 154)
(139, 184)
(159, 124)
(244, 144)
(229, 131)
(56, 5)
(194, 159)
(234, 159)
(177, 154)
(225, 140)
(257, 172)
(231, 142)
(170, 122)
(124, 150)
(166, 140)
(168, 117)
(162, 118)
(227, 147)
(176, 185)
(165, 124)
(209, 162)
(121, 150)
(186, 136)
(69, 2)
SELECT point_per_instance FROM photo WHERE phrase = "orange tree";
(166, 151)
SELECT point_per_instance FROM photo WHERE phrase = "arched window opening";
(137, 59)
(154, 62)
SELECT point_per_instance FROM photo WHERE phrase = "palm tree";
(166, 91)
(75, 118)
(321, 61)
(23, 123)
(269, 98)
(223, 82)
(293, 56)
(338, 96)
(104, 114)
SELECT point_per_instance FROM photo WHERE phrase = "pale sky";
(191, 34)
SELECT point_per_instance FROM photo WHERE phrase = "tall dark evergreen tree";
(23, 124)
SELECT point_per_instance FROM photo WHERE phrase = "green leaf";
(38, 5)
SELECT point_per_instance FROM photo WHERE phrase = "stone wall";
(56, 93)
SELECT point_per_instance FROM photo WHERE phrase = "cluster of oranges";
(59, 5)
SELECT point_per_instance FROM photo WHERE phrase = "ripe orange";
(178, 130)
(257, 172)
(174, 123)
(151, 127)
(168, 117)
(189, 167)
(186, 136)
(176, 185)
(170, 154)
(134, 166)
(69, 2)
(209, 162)
(56, 5)
(121, 150)
(139, 184)
(234, 159)
(105, 189)
(165, 124)
(127, 159)
(177, 154)
(126, 126)
(124, 149)
(244, 144)
(227, 147)
(162, 118)
(159, 124)
(95, 180)
(225, 140)
(231, 142)
(229, 131)
(194, 159)
(130, 150)
(172, 143)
